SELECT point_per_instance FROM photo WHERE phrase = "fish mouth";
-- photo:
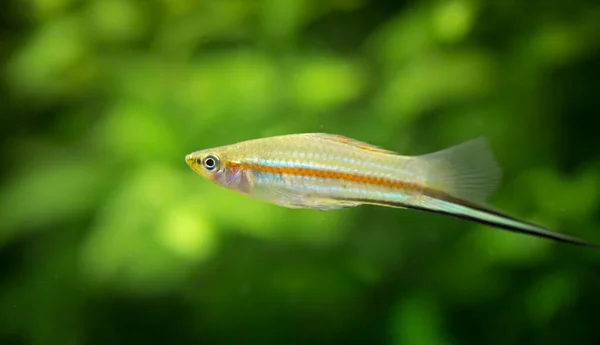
(189, 159)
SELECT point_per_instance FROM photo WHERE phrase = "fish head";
(209, 163)
(220, 165)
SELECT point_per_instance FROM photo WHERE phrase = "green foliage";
(107, 237)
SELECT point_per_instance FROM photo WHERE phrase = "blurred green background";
(107, 237)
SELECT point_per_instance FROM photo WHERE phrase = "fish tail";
(459, 179)
(467, 171)
(445, 204)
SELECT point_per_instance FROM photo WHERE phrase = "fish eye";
(210, 162)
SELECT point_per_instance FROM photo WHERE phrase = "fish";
(324, 171)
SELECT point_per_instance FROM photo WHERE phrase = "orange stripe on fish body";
(366, 179)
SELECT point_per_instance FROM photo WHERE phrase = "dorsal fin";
(353, 142)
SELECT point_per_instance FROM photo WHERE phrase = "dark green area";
(107, 237)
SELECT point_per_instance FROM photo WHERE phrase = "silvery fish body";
(326, 171)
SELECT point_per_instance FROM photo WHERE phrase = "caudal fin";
(444, 204)
(458, 181)
(466, 171)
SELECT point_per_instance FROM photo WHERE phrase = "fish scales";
(329, 168)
